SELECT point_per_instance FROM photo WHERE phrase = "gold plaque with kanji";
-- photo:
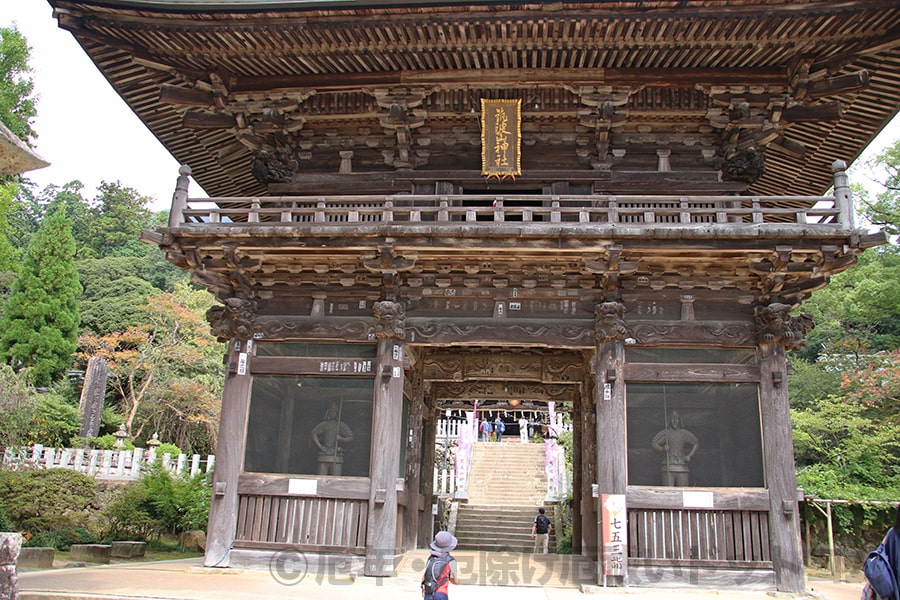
(501, 138)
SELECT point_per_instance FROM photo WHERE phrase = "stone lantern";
(121, 436)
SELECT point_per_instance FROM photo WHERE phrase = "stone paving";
(189, 580)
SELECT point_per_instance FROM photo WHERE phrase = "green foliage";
(809, 383)
(119, 214)
(168, 448)
(566, 439)
(17, 104)
(18, 399)
(847, 444)
(128, 516)
(5, 523)
(167, 375)
(55, 422)
(108, 442)
(9, 256)
(62, 539)
(114, 297)
(44, 500)
(884, 210)
(40, 325)
(176, 503)
(858, 312)
(564, 526)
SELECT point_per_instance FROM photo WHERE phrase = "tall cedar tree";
(40, 324)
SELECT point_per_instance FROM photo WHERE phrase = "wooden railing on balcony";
(631, 210)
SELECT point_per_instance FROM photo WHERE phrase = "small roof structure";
(15, 155)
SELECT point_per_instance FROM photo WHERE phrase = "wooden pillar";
(611, 443)
(577, 475)
(784, 516)
(588, 477)
(384, 470)
(609, 387)
(223, 509)
(413, 440)
(429, 435)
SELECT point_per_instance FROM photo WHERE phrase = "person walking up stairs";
(506, 484)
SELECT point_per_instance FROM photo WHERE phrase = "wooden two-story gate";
(616, 206)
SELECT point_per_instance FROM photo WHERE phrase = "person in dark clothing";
(892, 546)
(540, 532)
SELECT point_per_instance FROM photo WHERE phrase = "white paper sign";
(697, 499)
(242, 363)
(303, 487)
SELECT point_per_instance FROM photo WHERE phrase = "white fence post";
(49, 457)
(92, 466)
(122, 464)
(136, 459)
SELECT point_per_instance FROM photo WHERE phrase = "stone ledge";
(92, 553)
(127, 549)
(36, 558)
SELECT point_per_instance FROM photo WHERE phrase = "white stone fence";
(104, 464)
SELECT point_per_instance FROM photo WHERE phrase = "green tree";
(847, 444)
(41, 320)
(18, 399)
(884, 210)
(167, 372)
(119, 214)
(17, 104)
(114, 296)
(859, 311)
(9, 257)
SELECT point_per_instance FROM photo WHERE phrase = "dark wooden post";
(577, 475)
(429, 435)
(413, 440)
(384, 470)
(610, 399)
(784, 516)
(588, 503)
(223, 509)
(777, 330)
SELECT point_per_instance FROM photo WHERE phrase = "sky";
(87, 132)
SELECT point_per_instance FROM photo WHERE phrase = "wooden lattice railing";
(481, 210)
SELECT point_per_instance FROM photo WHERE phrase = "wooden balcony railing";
(631, 210)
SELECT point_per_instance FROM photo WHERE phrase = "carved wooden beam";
(465, 78)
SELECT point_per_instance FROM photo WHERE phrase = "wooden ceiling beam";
(503, 78)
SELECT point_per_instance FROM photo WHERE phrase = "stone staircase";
(507, 484)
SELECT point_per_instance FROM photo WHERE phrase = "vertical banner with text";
(614, 534)
(501, 138)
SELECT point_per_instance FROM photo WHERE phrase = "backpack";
(543, 524)
(431, 578)
(880, 574)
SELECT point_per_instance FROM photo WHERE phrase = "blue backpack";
(880, 574)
